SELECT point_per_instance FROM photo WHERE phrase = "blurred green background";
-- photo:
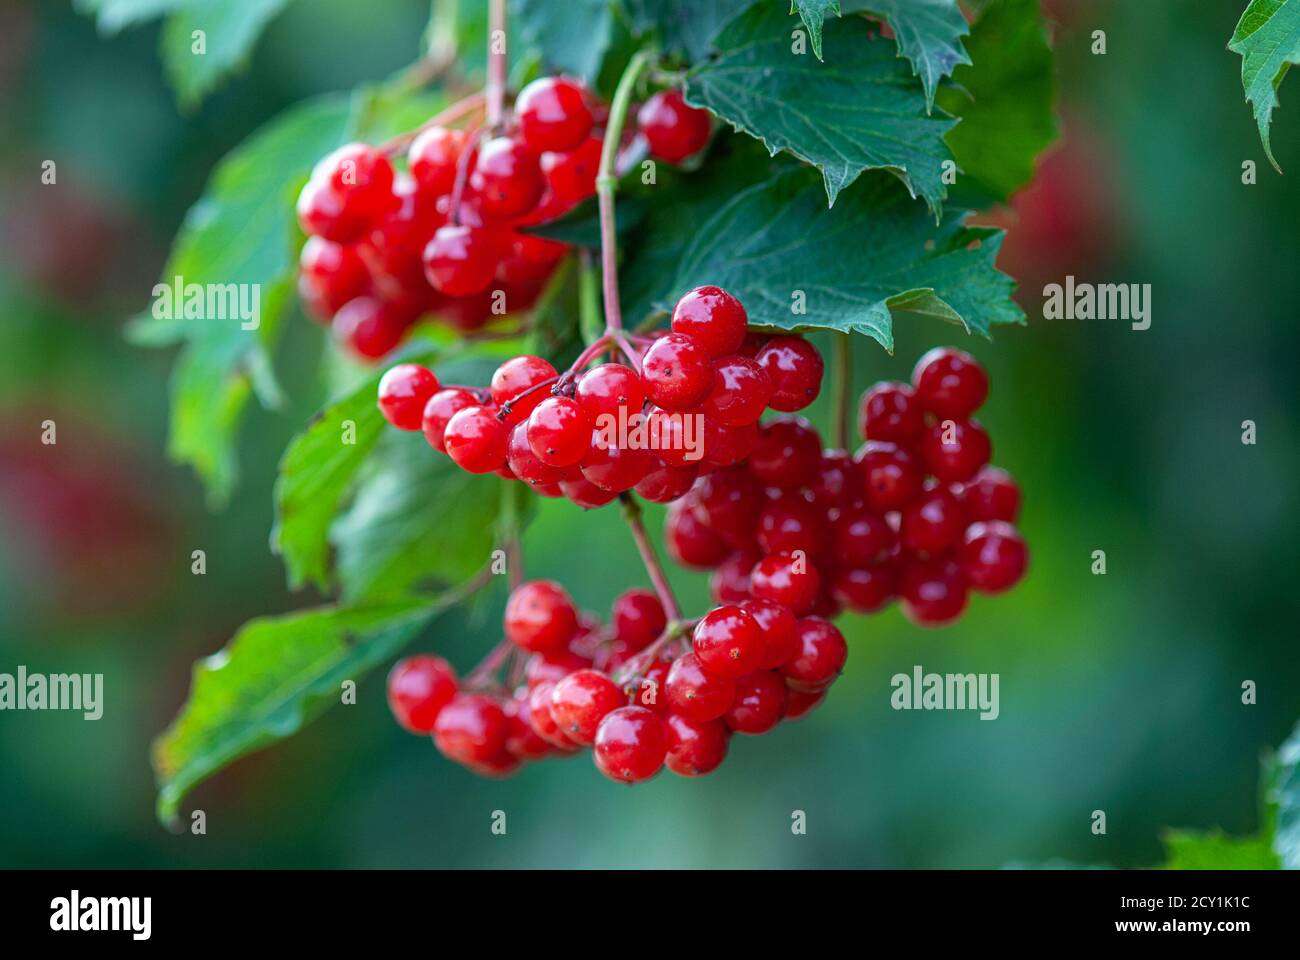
(1119, 693)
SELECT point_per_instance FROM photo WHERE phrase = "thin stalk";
(632, 513)
(842, 398)
(496, 68)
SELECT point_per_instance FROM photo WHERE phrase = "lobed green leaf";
(1268, 39)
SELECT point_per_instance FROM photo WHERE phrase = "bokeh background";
(1119, 692)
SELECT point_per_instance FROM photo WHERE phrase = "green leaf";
(1214, 850)
(229, 28)
(858, 111)
(813, 12)
(684, 28)
(928, 33)
(569, 37)
(1004, 101)
(1268, 39)
(872, 258)
(1285, 799)
(275, 676)
(112, 16)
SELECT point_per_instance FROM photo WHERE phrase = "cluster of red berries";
(590, 435)
(917, 513)
(643, 693)
(447, 235)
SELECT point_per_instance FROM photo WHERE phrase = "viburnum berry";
(932, 523)
(992, 494)
(610, 389)
(539, 716)
(540, 616)
(791, 522)
(788, 453)
(329, 275)
(433, 156)
(470, 729)
(362, 175)
(954, 450)
(370, 327)
(695, 747)
(518, 376)
(650, 689)
(794, 368)
(559, 431)
(728, 502)
(713, 318)
(403, 392)
(553, 665)
(759, 704)
(726, 446)
(418, 688)
(523, 741)
(476, 440)
(892, 478)
(739, 394)
(950, 383)
(667, 482)
(692, 542)
(676, 372)
(730, 581)
(865, 589)
(581, 700)
(672, 129)
(728, 642)
(862, 538)
(630, 744)
(323, 212)
(994, 556)
(780, 638)
(585, 493)
(791, 581)
(933, 592)
(890, 411)
(822, 652)
(552, 113)
(524, 463)
(799, 703)
(615, 468)
(507, 179)
(570, 178)
(461, 260)
(438, 411)
(638, 618)
(696, 693)
(838, 482)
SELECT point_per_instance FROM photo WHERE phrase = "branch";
(842, 398)
(632, 513)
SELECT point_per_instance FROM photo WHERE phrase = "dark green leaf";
(229, 28)
(114, 15)
(685, 28)
(1268, 39)
(858, 111)
(569, 37)
(813, 12)
(928, 32)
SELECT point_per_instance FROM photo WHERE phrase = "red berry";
(677, 372)
(862, 538)
(728, 642)
(787, 455)
(438, 411)
(666, 482)
(522, 741)
(726, 446)
(524, 463)
(949, 383)
(418, 688)
(371, 328)
(695, 693)
(559, 431)
(740, 392)
(362, 175)
(992, 494)
(433, 156)
(403, 392)
(610, 389)
(759, 704)
(570, 178)
(695, 747)
(615, 468)
(638, 618)
(994, 556)
(889, 411)
(507, 179)
(891, 476)
(540, 617)
(728, 501)
(730, 581)
(461, 260)
(471, 728)
(581, 700)
(649, 689)
(630, 745)
(865, 589)
(799, 703)
(780, 639)
(476, 440)
(712, 318)
(553, 666)
(792, 522)
(517, 376)
(585, 493)
(933, 592)
(552, 113)
(794, 367)
(690, 541)
(838, 482)
(791, 581)
(673, 130)
(329, 275)
(932, 523)
(822, 652)
(539, 715)
(954, 450)
(323, 212)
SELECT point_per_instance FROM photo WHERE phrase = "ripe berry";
(932, 523)
(581, 700)
(585, 493)
(570, 178)
(460, 260)
(522, 740)
(649, 690)
(666, 482)
(695, 747)
(323, 212)
(799, 703)
(890, 411)
(787, 455)
(609, 389)
(438, 411)
(362, 175)
(730, 581)
(403, 392)
(992, 494)
(891, 476)
(954, 450)
(932, 592)
(795, 368)
(524, 463)
(638, 618)
(728, 501)
(471, 728)
(539, 715)
(838, 482)
(615, 468)
(516, 376)
(865, 589)
(728, 642)
(690, 541)
(822, 652)
(791, 581)
(476, 440)
(507, 179)
(329, 275)
(759, 704)
(673, 130)
(553, 666)
(726, 446)
(949, 383)
(553, 114)
(696, 693)
(862, 538)
(994, 556)
(713, 318)
(433, 156)
(369, 327)
(540, 617)
(792, 522)
(676, 372)
(739, 394)
(559, 431)
(780, 640)
(418, 688)
(630, 745)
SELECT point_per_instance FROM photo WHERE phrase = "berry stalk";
(632, 513)
(496, 64)
(842, 397)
